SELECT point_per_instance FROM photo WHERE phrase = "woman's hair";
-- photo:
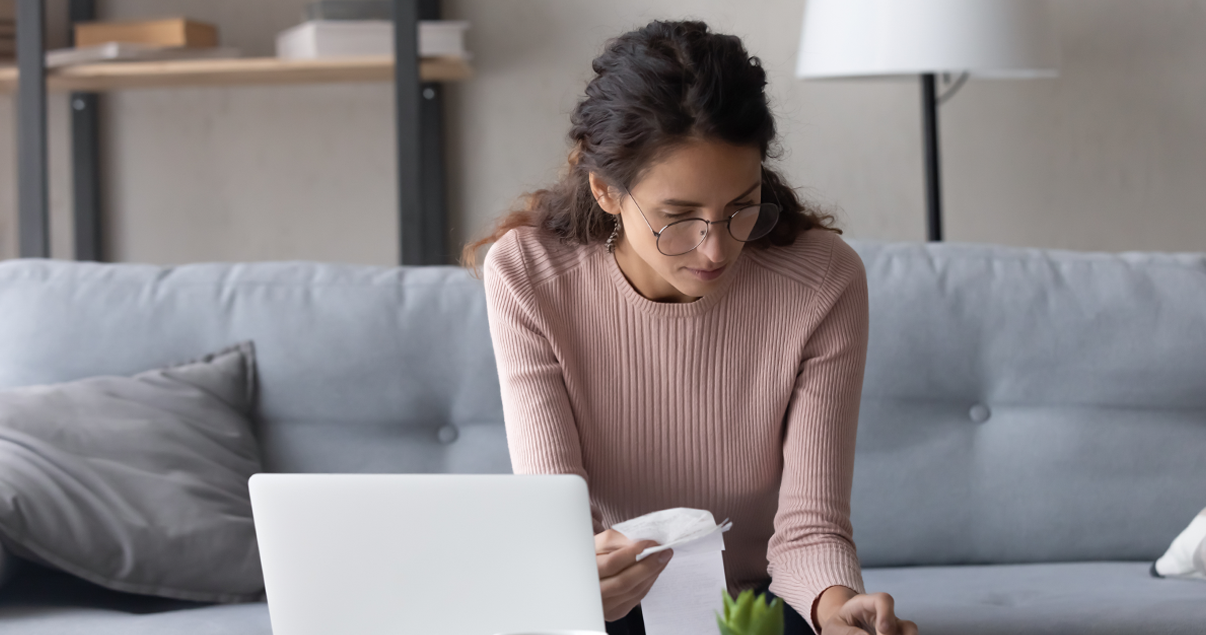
(654, 89)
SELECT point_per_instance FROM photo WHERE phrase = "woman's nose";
(715, 243)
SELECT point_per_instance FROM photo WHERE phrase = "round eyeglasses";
(745, 225)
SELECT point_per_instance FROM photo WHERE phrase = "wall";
(1110, 156)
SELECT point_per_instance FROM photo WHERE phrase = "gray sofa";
(1033, 429)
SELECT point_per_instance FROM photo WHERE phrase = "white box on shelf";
(352, 38)
(442, 38)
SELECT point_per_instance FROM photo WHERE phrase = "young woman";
(673, 325)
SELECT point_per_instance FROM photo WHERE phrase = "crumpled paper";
(678, 528)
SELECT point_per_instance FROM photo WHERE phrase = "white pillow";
(1186, 556)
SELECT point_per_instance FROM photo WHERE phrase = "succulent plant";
(749, 615)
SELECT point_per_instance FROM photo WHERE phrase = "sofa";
(1032, 433)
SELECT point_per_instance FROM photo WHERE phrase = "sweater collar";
(667, 309)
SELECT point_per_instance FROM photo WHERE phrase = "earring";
(611, 240)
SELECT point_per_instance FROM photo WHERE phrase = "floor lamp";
(931, 38)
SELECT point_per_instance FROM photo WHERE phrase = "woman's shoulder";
(818, 258)
(534, 255)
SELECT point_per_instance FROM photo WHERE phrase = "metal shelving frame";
(422, 218)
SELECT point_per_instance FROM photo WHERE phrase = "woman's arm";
(542, 436)
(541, 433)
(813, 562)
(812, 549)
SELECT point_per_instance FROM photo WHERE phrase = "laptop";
(430, 554)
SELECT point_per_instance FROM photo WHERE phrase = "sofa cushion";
(223, 619)
(1096, 598)
(362, 369)
(137, 483)
(1026, 405)
(46, 602)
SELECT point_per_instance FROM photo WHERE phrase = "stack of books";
(167, 39)
(351, 28)
(8, 30)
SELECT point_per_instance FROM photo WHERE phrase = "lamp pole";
(933, 164)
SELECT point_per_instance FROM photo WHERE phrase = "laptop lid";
(431, 553)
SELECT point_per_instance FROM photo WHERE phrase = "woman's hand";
(624, 581)
(871, 613)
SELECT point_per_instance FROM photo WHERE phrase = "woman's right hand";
(624, 581)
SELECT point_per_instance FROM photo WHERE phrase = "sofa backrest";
(1026, 406)
(361, 369)
(1019, 405)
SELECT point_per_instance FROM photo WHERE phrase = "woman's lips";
(707, 275)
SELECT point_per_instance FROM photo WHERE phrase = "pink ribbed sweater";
(744, 402)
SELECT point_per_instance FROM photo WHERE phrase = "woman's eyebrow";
(674, 202)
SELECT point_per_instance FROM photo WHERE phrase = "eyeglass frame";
(657, 234)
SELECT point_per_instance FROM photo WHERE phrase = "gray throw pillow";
(138, 484)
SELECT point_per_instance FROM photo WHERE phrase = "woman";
(673, 325)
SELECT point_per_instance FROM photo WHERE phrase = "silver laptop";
(426, 554)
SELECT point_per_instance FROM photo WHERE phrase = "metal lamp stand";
(933, 165)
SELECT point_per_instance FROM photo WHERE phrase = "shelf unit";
(233, 72)
(418, 121)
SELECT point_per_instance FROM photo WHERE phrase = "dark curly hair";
(655, 88)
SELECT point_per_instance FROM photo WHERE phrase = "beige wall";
(1110, 156)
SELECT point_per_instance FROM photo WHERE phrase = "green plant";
(749, 615)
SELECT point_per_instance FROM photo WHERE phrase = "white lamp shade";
(986, 38)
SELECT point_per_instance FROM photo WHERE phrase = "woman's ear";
(606, 195)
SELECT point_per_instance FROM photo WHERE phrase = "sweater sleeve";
(542, 435)
(812, 548)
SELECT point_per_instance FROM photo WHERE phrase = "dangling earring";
(611, 240)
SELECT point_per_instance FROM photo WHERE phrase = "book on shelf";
(8, 29)
(8, 10)
(345, 38)
(127, 52)
(178, 32)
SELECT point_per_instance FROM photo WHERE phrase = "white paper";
(687, 594)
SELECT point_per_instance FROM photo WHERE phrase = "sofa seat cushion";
(1102, 598)
(222, 619)
(42, 601)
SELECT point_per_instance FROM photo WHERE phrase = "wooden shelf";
(231, 72)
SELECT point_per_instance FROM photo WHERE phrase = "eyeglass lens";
(747, 224)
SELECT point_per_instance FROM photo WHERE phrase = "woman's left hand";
(873, 613)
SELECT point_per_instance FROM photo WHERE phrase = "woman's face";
(699, 179)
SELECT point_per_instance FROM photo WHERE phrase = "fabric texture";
(743, 403)
(1186, 556)
(138, 483)
(1086, 598)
